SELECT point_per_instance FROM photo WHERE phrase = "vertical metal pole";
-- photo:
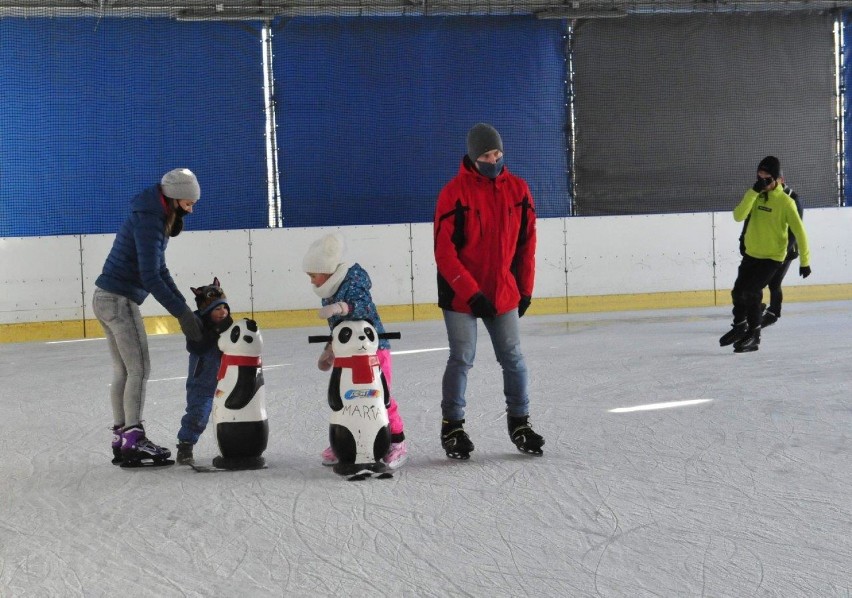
(273, 187)
(840, 103)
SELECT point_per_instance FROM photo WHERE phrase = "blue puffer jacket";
(136, 264)
(355, 291)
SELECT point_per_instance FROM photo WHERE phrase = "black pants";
(776, 295)
(753, 275)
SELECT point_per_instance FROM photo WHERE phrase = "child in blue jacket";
(204, 359)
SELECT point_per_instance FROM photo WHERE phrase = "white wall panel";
(276, 261)
(550, 258)
(40, 279)
(831, 247)
(193, 258)
(639, 254)
(726, 232)
(424, 270)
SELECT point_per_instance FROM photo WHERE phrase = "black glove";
(481, 307)
(190, 325)
(761, 184)
(804, 271)
(523, 305)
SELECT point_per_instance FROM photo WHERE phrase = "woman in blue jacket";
(135, 268)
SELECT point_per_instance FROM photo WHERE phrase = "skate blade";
(214, 469)
(535, 452)
(365, 476)
(458, 456)
(146, 463)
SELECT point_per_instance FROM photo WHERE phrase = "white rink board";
(424, 270)
(193, 259)
(612, 255)
(40, 278)
(550, 264)
(279, 283)
(261, 269)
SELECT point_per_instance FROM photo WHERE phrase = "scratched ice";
(672, 468)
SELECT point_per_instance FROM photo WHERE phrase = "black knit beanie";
(772, 165)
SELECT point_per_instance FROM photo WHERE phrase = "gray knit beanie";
(181, 183)
(482, 138)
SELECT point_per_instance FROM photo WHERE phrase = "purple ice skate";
(116, 445)
(138, 451)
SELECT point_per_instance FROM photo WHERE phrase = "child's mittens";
(341, 308)
(326, 359)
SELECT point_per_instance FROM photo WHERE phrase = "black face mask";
(177, 226)
(180, 211)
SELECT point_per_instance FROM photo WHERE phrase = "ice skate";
(397, 455)
(455, 440)
(138, 451)
(769, 318)
(328, 457)
(524, 437)
(749, 343)
(737, 332)
(116, 444)
(184, 453)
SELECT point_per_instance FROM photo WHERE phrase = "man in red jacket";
(485, 237)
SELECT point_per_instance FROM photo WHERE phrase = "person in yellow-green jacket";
(772, 214)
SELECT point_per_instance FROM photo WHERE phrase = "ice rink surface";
(747, 493)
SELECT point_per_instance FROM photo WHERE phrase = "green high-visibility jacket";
(771, 214)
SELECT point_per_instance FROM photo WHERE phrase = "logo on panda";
(366, 393)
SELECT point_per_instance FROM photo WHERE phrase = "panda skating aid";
(239, 405)
(359, 431)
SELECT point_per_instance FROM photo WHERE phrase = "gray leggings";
(128, 346)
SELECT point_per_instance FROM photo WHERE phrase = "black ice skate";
(737, 332)
(138, 451)
(749, 343)
(455, 440)
(184, 453)
(769, 318)
(524, 437)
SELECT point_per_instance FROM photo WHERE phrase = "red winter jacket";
(484, 240)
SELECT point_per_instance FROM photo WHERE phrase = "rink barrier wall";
(591, 264)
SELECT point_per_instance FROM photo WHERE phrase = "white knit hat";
(181, 183)
(324, 255)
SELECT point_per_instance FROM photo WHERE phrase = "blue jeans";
(201, 385)
(505, 338)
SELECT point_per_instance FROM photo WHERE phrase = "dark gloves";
(761, 184)
(523, 305)
(481, 307)
(804, 271)
(190, 325)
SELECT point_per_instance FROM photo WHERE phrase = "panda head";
(242, 338)
(354, 337)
